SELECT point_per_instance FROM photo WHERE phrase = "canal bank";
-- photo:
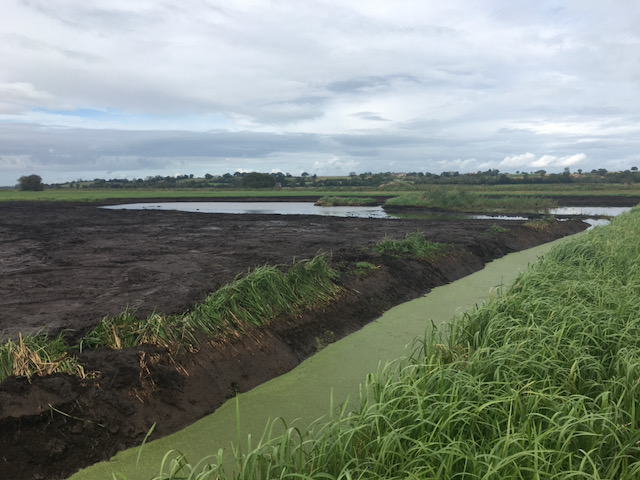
(329, 377)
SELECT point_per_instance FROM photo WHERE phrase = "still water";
(261, 208)
(308, 208)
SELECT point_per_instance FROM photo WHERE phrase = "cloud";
(518, 160)
(334, 164)
(529, 160)
(553, 161)
(17, 97)
(342, 85)
(372, 116)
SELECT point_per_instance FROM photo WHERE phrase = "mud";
(64, 266)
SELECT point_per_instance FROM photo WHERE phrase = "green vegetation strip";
(466, 200)
(253, 299)
(333, 201)
(540, 383)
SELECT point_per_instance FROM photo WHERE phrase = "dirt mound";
(65, 266)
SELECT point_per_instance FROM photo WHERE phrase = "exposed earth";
(65, 266)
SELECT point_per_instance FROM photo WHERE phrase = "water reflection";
(260, 208)
(590, 211)
(308, 208)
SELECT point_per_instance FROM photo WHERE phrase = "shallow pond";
(308, 208)
(332, 376)
(261, 208)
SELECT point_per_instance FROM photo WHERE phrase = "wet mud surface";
(64, 266)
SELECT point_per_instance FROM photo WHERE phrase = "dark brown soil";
(64, 266)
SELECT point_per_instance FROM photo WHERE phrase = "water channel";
(305, 393)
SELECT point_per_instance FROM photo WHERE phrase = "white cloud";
(465, 80)
(19, 97)
(334, 166)
(529, 160)
(518, 160)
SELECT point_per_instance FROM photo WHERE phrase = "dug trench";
(65, 266)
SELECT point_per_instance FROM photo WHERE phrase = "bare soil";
(65, 266)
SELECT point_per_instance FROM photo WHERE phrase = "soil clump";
(65, 266)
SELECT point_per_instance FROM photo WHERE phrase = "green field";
(92, 195)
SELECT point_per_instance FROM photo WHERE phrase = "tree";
(258, 180)
(31, 183)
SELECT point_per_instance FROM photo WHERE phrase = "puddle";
(590, 211)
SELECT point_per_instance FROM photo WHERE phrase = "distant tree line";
(257, 180)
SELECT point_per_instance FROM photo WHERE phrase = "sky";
(137, 88)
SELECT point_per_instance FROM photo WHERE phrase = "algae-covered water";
(329, 377)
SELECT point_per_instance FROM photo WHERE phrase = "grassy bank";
(96, 195)
(541, 383)
(466, 200)
(337, 201)
(253, 299)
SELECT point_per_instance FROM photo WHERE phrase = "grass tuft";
(414, 244)
(365, 268)
(541, 224)
(495, 229)
(37, 355)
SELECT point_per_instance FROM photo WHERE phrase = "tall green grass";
(543, 382)
(265, 294)
(250, 300)
(467, 200)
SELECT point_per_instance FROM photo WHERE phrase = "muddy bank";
(65, 266)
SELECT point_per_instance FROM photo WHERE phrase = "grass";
(511, 191)
(540, 224)
(250, 300)
(265, 294)
(466, 200)
(37, 355)
(334, 201)
(414, 244)
(565, 189)
(540, 383)
(94, 195)
(365, 268)
(495, 229)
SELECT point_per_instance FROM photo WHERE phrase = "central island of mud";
(65, 266)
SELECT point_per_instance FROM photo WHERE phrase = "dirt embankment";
(65, 266)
